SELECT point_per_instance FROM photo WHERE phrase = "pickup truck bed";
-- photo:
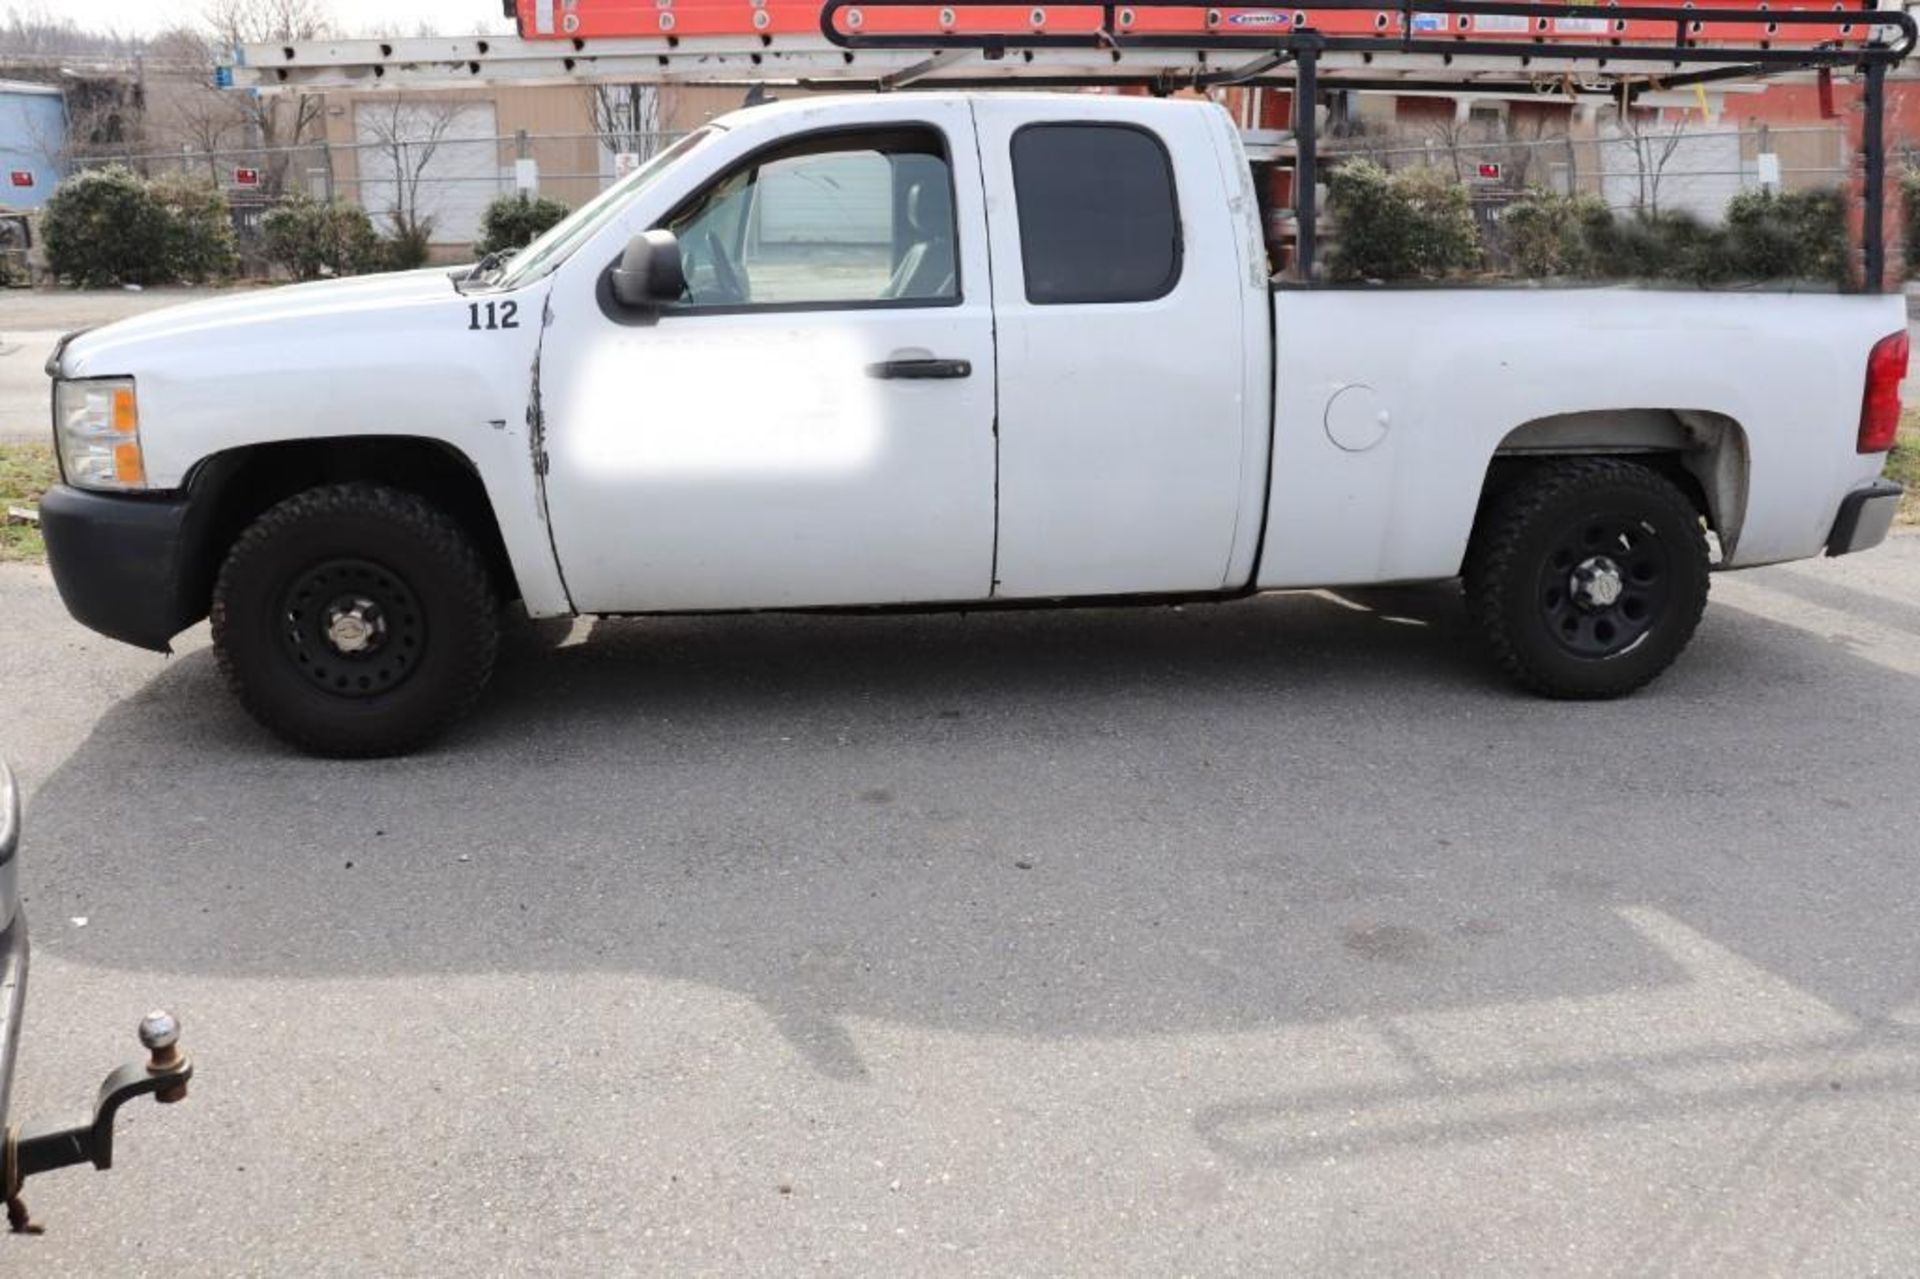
(1393, 406)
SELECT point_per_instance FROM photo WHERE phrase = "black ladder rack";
(1415, 57)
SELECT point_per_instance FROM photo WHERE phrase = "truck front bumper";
(126, 566)
(1865, 516)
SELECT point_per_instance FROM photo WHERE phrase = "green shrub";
(311, 239)
(104, 227)
(1666, 245)
(110, 226)
(1793, 235)
(1545, 235)
(1796, 236)
(199, 239)
(1414, 224)
(407, 249)
(513, 221)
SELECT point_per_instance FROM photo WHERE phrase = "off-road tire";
(1513, 577)
(368, 543)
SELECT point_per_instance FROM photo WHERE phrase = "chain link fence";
(443, 178)
(442, 172)
(1653, 167)
(1660, 167)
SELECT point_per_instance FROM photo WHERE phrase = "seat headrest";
(917, 208)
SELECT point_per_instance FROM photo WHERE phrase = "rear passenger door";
(1131, 422)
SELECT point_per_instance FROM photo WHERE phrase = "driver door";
(813, 423)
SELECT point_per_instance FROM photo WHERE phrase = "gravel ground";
(1268, 937)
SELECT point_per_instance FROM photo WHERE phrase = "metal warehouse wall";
(473, 161)
(33, 126)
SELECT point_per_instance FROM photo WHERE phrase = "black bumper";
(129, 567)
(1865, 516)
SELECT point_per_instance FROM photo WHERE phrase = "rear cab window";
(1099, 215)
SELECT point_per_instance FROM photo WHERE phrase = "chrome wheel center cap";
(354, 626)
(1596, 582)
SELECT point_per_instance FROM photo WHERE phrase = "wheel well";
(246, 482)
(1703, 453)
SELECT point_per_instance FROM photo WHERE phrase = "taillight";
(1880, 406)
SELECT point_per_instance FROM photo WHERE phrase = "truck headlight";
(96, 422)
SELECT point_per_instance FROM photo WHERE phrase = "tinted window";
(843, 218)
(1098, 221)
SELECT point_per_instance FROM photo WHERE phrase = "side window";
(1098, 217)
(833, 219)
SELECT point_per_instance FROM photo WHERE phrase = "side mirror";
(650, 273)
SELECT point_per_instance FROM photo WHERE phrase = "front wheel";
(355, 620)
(1588, 577)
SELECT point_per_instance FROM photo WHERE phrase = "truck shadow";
(1292, 810)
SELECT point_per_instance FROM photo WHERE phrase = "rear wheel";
(355, 620)
(1588, 577)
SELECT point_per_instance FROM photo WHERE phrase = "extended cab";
(936, 350)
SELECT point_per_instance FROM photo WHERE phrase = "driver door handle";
(920, 367)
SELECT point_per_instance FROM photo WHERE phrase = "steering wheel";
(725, 275)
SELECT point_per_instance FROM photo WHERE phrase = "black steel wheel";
(1604, 586)
(353, 627)
(1588, 577)
(355, 620)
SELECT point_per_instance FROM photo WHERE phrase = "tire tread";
(477, 633)
(1490, 573)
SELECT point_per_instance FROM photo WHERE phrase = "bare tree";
(127, 95)
(1528, 140)
(405, 134)
(627, 118)
(271, 122)
(1653, 140)
(1452, 137)
(33, 40)
(189, 111)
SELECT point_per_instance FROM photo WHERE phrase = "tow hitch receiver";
(32, 1149)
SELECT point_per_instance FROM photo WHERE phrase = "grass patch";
(26, 471)
(1903, 464)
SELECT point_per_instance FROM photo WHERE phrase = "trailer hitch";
(32, 1149)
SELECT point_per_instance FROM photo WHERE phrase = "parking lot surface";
(1276, 936)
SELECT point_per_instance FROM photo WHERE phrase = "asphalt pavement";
(1270, 937)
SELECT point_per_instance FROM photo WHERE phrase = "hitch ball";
(160, 1035)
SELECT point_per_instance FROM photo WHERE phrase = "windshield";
(560, 240)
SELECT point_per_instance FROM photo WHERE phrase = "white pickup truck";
(941, 350)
